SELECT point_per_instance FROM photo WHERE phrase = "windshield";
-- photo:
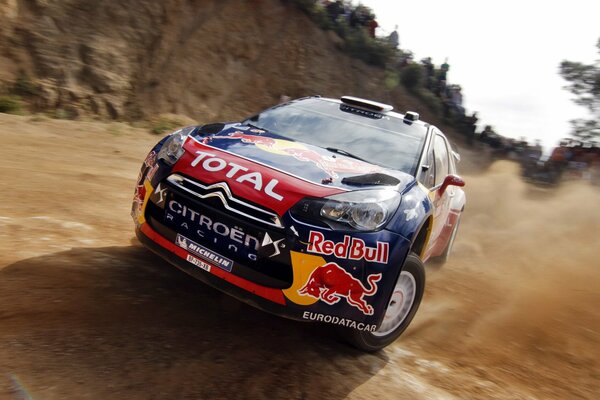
(386, 141)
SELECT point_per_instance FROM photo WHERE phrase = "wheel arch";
(420, 240)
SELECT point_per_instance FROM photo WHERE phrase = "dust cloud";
(521, 297)
(541, 246)
(515, 313)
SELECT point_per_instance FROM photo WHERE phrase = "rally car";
(317, 210)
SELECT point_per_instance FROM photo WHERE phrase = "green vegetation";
(412, 77)
(12, 101)
(433, 102)
(68, 112)
(391, 80)
(398, 64)
(584, 82)
(316, 12)
(10, 104)
(166, 123)
(357, 42)
(359, 45)
(24, 87)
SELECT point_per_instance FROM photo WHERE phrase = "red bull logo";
(150, 159)
(139, 194)
(348, 249)
(139, 197)
(331, 165)
(331, 282)
(250, 139)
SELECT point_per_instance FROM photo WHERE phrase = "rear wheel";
(400, 311)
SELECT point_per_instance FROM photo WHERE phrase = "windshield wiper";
(250, 125)
(345, 153)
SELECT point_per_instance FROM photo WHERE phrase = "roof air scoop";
(366, 104)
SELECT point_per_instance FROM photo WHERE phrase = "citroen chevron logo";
(221, 191)
(268, 241)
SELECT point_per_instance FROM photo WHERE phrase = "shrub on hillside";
(166, 123)
(307, 6)
(23, 86)
(433, 102)
(10, 105)
(372, 51)
(315, 11)
(319, 15)
(391, 80)
(357, 42)
(412, 76)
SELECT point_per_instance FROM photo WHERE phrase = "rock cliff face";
(209, 59)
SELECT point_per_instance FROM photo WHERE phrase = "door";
(441, 202)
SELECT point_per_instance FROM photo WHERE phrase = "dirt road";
(86, 313)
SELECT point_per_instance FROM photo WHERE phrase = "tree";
(584, 82)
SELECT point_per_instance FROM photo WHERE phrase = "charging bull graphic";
(331, 282)
(330, 165)
(250, 139)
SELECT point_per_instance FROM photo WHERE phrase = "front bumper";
(267, 299)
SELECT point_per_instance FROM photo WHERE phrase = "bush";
(412, 77)
(342, 29)
(319, 15)
(67, 112)
(24, 87)
(433, 102)
(372, 51)
(392, 80)
(307, 6)
(166, 123)
(10, 105)
(315, 11)
(162, 126)
(358, 43)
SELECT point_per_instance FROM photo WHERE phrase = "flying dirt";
(86, 312)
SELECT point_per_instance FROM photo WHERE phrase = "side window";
(428, 176)
(440, 152)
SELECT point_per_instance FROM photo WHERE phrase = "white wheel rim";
(400, 304)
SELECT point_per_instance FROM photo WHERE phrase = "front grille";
(218, 195)
(234, 229)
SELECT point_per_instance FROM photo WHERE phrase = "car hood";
(231, 153)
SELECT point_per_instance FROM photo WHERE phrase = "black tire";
(369, 341)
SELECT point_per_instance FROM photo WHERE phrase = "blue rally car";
(317, 209)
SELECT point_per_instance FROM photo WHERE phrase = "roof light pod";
(411, 116)
(367, 104)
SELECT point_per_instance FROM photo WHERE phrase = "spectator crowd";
(430, 82)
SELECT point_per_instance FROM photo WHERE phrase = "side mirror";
(451, 180)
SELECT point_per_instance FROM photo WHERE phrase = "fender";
(414, 210)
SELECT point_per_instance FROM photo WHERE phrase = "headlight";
(365, 210)
(172, 148)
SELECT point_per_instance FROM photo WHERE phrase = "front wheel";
(400, 311)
